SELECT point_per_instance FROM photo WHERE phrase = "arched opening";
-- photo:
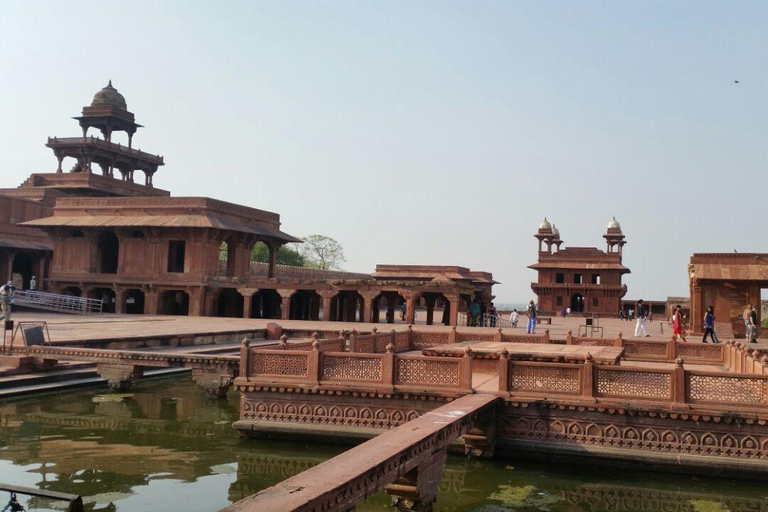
(305, 305)
(174, 302)
(577, 303)
(72, 291)
(109, 248)
(346, 306)
(265, 304)
(433, 308)
(106, 296)
(388, 307)
(227, 257)
(21, 270)
(134, 302)
(229, 303)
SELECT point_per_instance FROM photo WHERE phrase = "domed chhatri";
(109, 96)
(545, 225)
(555, 231)
(614, 224)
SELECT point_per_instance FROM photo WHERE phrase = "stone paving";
(108, 326)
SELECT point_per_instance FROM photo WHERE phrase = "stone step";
(47, 377)
(87, 378)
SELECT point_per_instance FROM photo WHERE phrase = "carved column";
(119, 376)
(285, 306)
(410, 306)
(368, 298)
(430, 300)
(273, 248)
(327, 296)
(453, 314)
(196, 301)
(247, 294)
(151, 296)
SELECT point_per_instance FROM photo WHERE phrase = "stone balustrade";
(385, 372)
(595, 383)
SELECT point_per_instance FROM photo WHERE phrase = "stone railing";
(340, 370)
(595, 383)
(95, 141)
(742, 357)
(662, 351)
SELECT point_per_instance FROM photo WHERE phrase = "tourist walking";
(754, 324)
(709, 326)
(474, 313)
(678, 328)
(492, 314)
(745, 317)
(532, 314)
(33, 283)
(514, 317)
(641, 314)
(7, 291)
(567, 312)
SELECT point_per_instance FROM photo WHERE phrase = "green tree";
(322, 252)
(285, 255)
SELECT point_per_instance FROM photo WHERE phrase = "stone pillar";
(272, 258)
(410, 306)
(454, 302)
(247, 294)
(392, 306)
(210, 303)
(368, 298)
(9, 270)
(119, 299)
(196, 301)
(215, 381)
(285, 306)
(151, 297)
(430, 300)
(417, 489)
(327, 296)
(119, 376)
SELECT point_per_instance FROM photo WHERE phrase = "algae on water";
(707, 506)
(526, 496)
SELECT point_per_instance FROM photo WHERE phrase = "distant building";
(585, 279)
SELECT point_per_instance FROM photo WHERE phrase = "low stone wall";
(171, 340)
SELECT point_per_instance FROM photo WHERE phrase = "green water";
(167, 447)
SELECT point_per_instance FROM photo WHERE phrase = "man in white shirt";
(514, 317)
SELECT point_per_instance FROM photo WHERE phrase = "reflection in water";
(166, 446)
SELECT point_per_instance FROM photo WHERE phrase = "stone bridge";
(121, 367)
(406, 461)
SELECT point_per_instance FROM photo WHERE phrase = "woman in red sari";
(677, 324)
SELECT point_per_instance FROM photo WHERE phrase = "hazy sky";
(426, 132)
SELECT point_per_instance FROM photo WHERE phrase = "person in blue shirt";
(709, 325)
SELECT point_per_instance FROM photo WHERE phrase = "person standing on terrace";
(641, 314)
(514, 317)
(474, 312)
(677, 324)
(532, 314)
(709, 326)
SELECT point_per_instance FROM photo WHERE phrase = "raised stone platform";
(530, 352)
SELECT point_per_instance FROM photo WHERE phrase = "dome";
(545, 225)
(555, 231)
(614, 224)
(109, 96)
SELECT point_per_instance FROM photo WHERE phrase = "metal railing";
(486, 320)
(74, 502)
(56, 302)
